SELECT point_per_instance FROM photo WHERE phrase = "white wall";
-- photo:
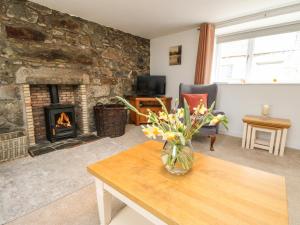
(238, 100)
(159, 59)
(234, 99)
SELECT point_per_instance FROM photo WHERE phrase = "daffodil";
(147, 132)
(200, 109)
(151, 131)
(172, 118)
(156, 131)
(214, 121)
(220, 116)
(163, 116)
(172, 127)
(180, 113)
(169, 136)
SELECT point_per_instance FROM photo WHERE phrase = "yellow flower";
(146, 131)
(170, 136)
(156, 131)
(214, 121)
(200, 109)
(220, 116)
(151, 131)
(163, 116)
(172, 118)
(180, 113)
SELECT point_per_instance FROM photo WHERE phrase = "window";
(267, 59)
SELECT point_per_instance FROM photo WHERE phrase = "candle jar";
(265, 110)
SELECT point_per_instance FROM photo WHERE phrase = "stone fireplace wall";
(33, 37)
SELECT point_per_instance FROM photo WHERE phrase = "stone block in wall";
(17, 10)
(24, 33)
(45, 75)
(64, 22)
(39, 8)
(106, 72)
(9, 92)
(11, 115)
(123, 87)
(99, 90)
(7, 70)
(112, 53)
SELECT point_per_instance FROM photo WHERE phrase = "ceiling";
(154, 18)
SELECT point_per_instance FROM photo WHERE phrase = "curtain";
(205, 53)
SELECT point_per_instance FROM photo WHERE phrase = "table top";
(267, 121)
(213, 192)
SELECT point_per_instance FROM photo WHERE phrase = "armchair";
(211, 90)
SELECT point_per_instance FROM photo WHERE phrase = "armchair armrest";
(217, 112)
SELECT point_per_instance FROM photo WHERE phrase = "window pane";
(279, 42)
(275, 58)
(232, 61)
(234, 48)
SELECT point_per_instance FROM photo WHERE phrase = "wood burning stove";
(60, 118)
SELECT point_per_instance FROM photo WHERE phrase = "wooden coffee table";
(213, 192)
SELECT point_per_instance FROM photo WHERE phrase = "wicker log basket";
(110, 119)
(13, 145)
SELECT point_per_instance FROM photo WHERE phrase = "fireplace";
(60, 119)
(60, 122)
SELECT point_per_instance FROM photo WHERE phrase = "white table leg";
(104, 203)
(249, 128)
(253, 137)
(283, 141)
(277, 144)
(272, 141)
(244, 136)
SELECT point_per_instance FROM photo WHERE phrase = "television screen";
(151, 85)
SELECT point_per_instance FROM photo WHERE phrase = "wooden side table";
(275, 126)
(143, 104)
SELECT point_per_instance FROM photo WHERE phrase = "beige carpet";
(80, 206)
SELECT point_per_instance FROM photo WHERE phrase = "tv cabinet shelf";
(143, 104)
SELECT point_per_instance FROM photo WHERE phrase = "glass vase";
(177, 158)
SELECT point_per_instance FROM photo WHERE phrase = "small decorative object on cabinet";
(177, 129)
(110, 119)
(277, 128)
(143, 104)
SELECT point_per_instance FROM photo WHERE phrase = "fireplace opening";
(60, 118)
(63, 120)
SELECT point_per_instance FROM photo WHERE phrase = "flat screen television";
(150, 86)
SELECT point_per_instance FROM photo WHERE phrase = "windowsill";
(238, 83)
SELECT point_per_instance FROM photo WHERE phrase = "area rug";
(30, 183)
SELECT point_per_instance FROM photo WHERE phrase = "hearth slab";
(88, 138)
(44, 148)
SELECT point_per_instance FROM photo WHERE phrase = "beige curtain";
(205, 53)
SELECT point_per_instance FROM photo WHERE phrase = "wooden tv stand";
(143, 104)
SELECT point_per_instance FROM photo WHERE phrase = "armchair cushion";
(210, 89)
(194, 99)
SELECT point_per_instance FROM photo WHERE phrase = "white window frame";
(260, 33)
